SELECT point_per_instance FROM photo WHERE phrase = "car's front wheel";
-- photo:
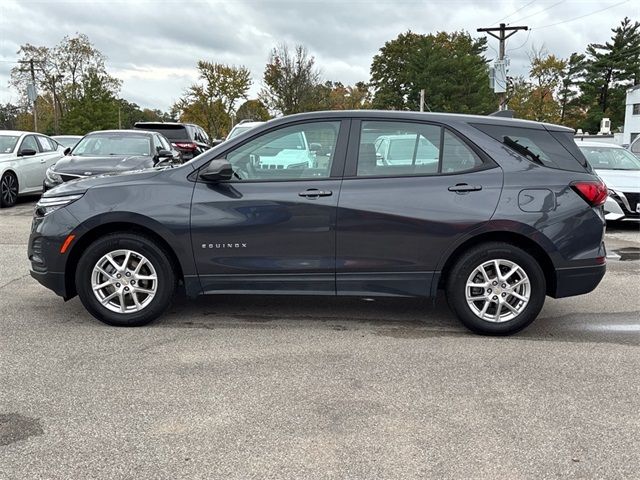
(125, 279)
(8, 190)
(496, 289)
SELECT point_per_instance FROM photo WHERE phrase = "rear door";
(270, 229)
(395, 220)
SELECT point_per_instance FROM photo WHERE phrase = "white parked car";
(620, 170)
(24, 159)
(242, 127)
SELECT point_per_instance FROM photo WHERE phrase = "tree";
(336, 96)
(290, 81)
(572, 75)
(611, 68)
(96, 108)
(450, 67)
(60, 72)
(253, 110)
(212, 102)
(9, 116)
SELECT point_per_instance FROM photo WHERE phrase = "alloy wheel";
(124, 281)
(9, 189)
(498, 290)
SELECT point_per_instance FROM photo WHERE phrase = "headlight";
(52, 176)
(47, 205)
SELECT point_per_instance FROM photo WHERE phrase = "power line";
(582, 16)
(513, 13)
(540, 11)
(523, 43)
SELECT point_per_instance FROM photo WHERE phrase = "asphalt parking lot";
(259, 387)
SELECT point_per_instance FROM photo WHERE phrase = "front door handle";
(315, 193)
(464, 187)
(43, 160)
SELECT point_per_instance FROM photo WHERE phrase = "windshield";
(67, 141)
(610, 158)
(7, 143)
(117, 144)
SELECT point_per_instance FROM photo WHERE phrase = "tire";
(8, 190)
(492, 308)
(147, 284)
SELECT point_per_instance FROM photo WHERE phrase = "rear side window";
(45, 144)
(172, 132)
(551, 149)
(404, 149)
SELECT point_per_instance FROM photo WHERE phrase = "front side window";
(403, 148)
(298, 152)
(29, 143)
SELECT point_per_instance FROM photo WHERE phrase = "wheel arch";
(107, 228)
(516, 239)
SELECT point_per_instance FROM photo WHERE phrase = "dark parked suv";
(189, 139)
(497, 212)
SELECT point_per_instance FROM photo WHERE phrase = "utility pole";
(422, 100)
(35, 94)
(502, 37)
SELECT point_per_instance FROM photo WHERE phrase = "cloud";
(153, 46)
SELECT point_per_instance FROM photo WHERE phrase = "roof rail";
(503, 113)
(245, 120)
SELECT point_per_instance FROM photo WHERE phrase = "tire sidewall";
(142, 245)
(2, 202)
(456, 288)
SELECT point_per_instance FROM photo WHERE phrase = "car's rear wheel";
(8, 190)
(125, 279)
(496, 289)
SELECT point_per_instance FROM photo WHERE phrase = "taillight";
(594, 192)
(186, 146)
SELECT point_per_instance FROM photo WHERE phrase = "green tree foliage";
(572, 76)
(291, 81)
(449, 66)
(611, 68)
(61, 73)
(95, 109)
(211, 102)
(9, 116)
(253, 110)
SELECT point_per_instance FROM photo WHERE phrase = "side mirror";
(165, 153)
(67, 151)
(27, 152)
(217, 170)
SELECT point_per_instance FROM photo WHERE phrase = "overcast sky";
(153, 45)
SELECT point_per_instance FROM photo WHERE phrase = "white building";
(632, 115)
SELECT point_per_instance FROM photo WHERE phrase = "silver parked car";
(24, 159)
(620, 170)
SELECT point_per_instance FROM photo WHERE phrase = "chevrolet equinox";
(497, 212)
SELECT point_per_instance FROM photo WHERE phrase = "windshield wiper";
(522, 149)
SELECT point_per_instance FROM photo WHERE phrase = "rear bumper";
(578, 280)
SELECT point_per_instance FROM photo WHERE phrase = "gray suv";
(504, 213)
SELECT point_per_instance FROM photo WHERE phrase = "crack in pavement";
(13, 281)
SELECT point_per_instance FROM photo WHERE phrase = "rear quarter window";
(554, 149)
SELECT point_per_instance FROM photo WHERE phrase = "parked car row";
(31, 162)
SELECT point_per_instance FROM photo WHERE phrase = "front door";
(402, 206)
(271, 229)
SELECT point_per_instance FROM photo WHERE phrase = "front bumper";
(54, 281)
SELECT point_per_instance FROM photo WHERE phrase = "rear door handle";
(464, 187)
(315, 193)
